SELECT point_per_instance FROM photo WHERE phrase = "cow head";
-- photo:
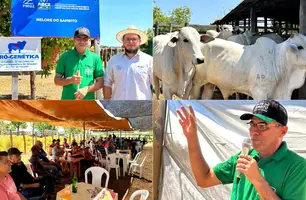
(297, 50)
(187, 42)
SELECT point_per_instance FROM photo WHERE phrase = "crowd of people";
(17, 183)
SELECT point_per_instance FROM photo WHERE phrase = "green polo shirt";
(285, 171)
(90, 66)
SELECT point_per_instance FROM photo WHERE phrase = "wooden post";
(32, 84)
(33, 133)
(253, 19)
(84, 130)
(46, 139)
(14, 85)
(158, 134)
(280, 27)
(266, 25)
(11, 138)
(170, 28)
(24, 144)
(156, 29)
(286, 27)
(244, 24)
(302, 90)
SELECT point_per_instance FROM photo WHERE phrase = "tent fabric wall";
(220, 133)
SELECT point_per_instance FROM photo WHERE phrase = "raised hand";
(187, 121)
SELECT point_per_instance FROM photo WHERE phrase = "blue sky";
(116, 15)
(204, 12)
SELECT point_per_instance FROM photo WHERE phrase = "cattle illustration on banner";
(20, 54)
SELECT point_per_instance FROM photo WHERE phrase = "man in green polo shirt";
(269, 171)
(79, 70)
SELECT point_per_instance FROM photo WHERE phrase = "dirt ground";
(124, 186)
(45, 87)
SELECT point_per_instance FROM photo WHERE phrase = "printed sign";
(20, 54)
(54, 18)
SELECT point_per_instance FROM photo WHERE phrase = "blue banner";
(54, 18)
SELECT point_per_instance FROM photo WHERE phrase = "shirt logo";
(118, 67)
(88, 71)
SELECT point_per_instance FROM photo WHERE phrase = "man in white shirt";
(128, 74)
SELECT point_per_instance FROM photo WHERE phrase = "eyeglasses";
(130, 39)
(79, 39)
(262, 126)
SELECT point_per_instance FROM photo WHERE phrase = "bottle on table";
(75, 183)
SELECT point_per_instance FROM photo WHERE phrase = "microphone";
(246, 145)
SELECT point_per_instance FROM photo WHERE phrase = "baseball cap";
(268, 111)
(82, 31)
(13, 151)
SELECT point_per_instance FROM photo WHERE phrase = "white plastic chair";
(113, 163)
(135, 159)
(144, 194)
(102, 161)
(106, 151)
(97, 173)
(135, 166)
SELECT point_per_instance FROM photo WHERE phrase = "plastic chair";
(113, 162)
(135, 166)
(102, 161)
(144, 194)
(135, 159)
(97, 173)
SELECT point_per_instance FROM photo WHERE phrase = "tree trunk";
(302, 90)
(24, 144)
(32, 83)
(11, 137)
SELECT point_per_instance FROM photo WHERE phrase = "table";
(126, 151)
(87, 191)
(74, 161)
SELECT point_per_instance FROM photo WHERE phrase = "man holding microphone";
(270, 171)
(79, 70)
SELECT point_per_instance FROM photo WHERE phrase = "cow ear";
(293, 48)
(206, 38)
(173, 39)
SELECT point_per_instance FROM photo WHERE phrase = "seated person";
(111, 148)
(76, 151)
(125, 145)
(8, 190)
(44, 160)
(51, 147)
(38, 167)
(65, 144)
(57, 153)
(24, 181)
(100, 147)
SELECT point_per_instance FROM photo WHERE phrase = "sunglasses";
(262, 126)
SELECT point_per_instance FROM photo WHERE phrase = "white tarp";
(20, 54)
(220, 133)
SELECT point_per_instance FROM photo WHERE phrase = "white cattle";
(265, 70)
(175, 56)
(248, 38)
(226, 31)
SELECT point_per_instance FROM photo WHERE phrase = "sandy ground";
(45, 87)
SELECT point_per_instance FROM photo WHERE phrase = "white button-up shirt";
(131, 77)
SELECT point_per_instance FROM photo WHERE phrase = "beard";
(132, 51)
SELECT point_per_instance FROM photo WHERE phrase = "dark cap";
(268, 111)
(82, 31)
(13, 151)
(3, 153)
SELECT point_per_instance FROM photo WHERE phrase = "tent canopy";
(90, 114)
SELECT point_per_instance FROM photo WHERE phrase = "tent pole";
(84, 130)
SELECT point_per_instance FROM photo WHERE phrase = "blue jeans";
(32, 192)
